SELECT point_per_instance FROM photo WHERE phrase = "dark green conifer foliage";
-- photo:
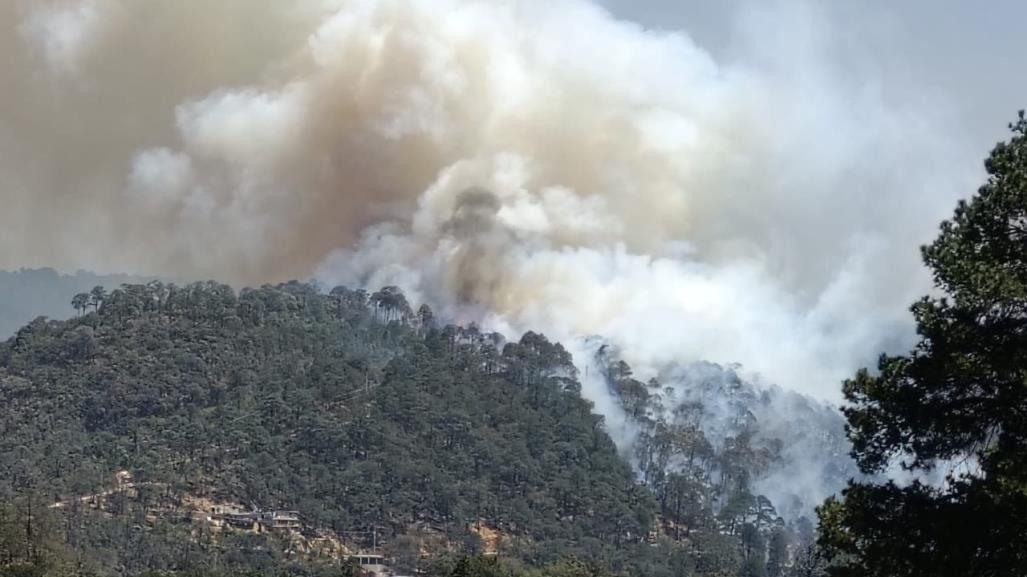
(959, 398)
(344, 406)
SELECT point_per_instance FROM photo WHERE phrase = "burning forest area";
(512, 288)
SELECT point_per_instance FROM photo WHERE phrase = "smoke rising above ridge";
(528, 165)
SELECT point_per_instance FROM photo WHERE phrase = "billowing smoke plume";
(533, 164)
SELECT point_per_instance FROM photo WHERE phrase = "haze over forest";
(680, 230)
(777, 177)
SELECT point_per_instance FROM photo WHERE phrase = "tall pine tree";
(956, 403)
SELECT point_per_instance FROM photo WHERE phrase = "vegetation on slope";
(349, 408)
(378, 426)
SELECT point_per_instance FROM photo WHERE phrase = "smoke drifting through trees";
(525, 164)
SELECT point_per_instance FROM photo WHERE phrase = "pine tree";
(956, 403)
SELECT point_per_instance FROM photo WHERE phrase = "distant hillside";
(128, 431)
(28, 293)
(363, 416)
(704, 430)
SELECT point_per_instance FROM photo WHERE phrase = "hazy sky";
(971, 54)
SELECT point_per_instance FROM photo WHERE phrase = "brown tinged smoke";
(540, 164)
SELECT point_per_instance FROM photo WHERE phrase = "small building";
(372, 563)
(280, 520)
(240, 520)
(257, 520)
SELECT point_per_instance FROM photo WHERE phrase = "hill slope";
(346, 407)
(126, 431)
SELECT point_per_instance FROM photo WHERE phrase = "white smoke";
(529, 165)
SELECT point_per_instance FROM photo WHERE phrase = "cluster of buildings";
(264, 521)
(257, 521)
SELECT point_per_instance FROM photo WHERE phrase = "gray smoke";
(527, 165)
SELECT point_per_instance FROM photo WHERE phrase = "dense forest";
(712, 443)
(379, 427)
(192, 430)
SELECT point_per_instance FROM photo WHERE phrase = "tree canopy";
(956, 405)
(347, 407)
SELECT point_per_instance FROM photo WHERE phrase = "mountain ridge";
(359, 412)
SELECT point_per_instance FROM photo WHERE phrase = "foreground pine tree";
(958, 401)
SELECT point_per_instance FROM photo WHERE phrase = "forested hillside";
(379, 427)
(347, 408)
(711, 445)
